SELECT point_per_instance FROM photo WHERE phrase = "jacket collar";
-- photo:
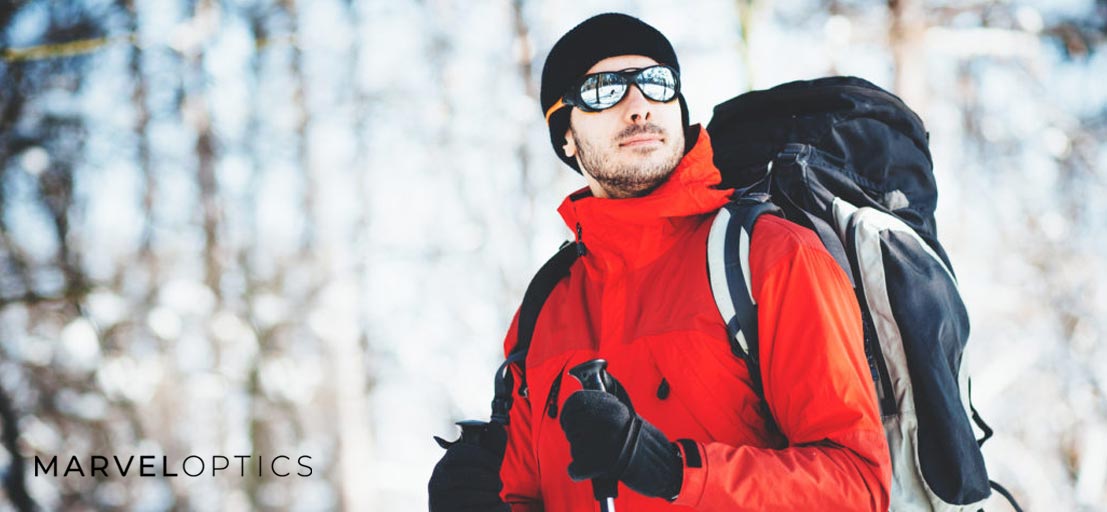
(619, 233)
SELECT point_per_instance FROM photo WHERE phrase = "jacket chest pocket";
(547, 382)
(699, 390)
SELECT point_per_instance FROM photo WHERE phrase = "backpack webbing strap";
(980, 423)
(1006, 494)
(832, 243)
(501, 400)
(987, 430)
(539, 289)
(728, 253)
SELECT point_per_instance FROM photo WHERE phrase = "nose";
(636, 107)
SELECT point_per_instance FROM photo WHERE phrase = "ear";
(570, 146)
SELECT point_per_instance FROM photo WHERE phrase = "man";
(693, 433)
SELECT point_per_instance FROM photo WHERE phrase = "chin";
(653, 158)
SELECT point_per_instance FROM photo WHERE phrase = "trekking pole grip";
(592, 376)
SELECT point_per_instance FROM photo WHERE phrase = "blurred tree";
(14, 475)
(42, 144)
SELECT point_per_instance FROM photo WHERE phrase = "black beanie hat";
(593, 40)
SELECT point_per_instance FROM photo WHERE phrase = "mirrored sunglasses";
(601, 91)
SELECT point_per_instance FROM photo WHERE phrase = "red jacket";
(640, 299)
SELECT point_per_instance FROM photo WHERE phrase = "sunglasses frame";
(631, 76)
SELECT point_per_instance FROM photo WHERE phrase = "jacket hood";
(634, 231)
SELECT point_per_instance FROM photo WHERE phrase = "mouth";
(640, 141)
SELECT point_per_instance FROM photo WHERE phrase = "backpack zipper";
(874, 354)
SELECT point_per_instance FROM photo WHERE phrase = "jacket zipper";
(555, 392)
(581, 249)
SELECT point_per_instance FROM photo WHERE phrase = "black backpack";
(849, 160)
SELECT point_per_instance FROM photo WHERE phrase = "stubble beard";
(623, 180)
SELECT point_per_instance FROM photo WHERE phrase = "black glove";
(467, 479)
(608, 440)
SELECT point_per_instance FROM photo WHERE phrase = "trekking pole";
(592, 375)
(471, 432)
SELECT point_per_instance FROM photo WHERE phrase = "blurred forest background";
(280, 226)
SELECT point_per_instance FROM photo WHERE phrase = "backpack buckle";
(753, 198)
(500, 407)
(791, 153)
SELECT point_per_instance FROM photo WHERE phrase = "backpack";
(850, 161)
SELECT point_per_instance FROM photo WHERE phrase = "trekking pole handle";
(472, 431)
(592, 376)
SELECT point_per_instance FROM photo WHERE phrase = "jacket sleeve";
(519, 471)
(818, 388)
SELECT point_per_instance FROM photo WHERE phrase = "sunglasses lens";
(657, 83)
(602, 90)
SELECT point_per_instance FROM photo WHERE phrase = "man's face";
(629, 149)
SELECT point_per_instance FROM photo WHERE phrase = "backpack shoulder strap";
(535, 297)
(728, 254)
(539, 289)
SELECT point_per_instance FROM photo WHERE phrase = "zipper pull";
(581, 249)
